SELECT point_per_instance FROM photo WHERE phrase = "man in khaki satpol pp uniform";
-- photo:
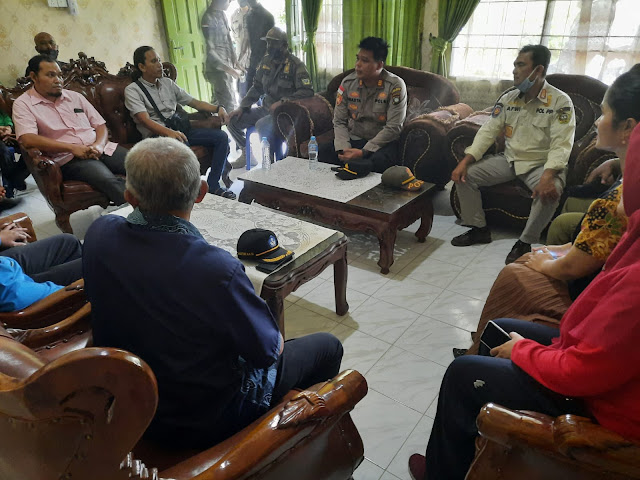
(539, 124)
(280, 76)
(371, 107)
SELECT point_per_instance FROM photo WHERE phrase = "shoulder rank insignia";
(339, 95)
(496, 110)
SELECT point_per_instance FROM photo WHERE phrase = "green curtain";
(310, 16)
(399, 22)
(452, 17)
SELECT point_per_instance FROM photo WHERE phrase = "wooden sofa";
(509, 203)
(423, 135)
(105, 92)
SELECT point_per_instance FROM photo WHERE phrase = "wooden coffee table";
(332, 251)
(380, 210)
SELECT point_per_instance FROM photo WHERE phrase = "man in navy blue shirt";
(188, 309)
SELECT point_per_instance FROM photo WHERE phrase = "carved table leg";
(426, 222)
(246, 196)
(387, 240)
(276, 305)
(340, 283)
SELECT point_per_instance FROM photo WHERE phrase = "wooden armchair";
(106, 93)
(510, 203)
(532, 446)
(86, 410)
(420, 141)
(51, 309)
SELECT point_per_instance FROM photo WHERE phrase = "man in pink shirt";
(66, 127)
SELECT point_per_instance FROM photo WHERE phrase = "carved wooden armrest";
(77, 322)
(270, 437)
(50, 310)
(21, 219)
(570, 437)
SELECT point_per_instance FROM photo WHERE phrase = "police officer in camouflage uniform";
(280, 76)
(371, 107)
(221, 62)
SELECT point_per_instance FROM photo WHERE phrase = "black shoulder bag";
(179, 121)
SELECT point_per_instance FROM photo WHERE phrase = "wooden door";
(186, 44)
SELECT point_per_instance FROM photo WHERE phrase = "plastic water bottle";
(313, 153)
(266, 154)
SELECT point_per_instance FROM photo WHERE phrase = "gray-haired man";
(160, 291)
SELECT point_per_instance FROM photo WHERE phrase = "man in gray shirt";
(167, 96)
(371, 107)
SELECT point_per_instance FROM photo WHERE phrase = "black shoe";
(224, 193)
(472, 236)
(458, 352)
(519, 249)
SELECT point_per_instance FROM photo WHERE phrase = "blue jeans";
(469, 383)
(218, 142)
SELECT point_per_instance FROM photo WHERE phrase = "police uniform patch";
(339, 97)
(395, 95)
(564, 115)
(353, 106)
(496, 110)
(548, 102)
(353, 115)
(382, 95)
(382, 118)
(266, 67)
(508, 131)
(287, 67)
(380, 83)
(354, 94)
(306, 81)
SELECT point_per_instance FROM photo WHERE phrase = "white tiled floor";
(400, 328)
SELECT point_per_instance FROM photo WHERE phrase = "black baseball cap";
(262, 245)
(354, 169)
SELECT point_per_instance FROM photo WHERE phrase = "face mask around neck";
(526, 84)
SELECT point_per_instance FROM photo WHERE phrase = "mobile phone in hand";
(493, 336)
